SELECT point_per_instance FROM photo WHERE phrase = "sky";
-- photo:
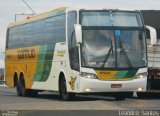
(8, 9)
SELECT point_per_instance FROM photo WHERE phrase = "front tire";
(63, 90)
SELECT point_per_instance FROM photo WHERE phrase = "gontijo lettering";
(26, 53)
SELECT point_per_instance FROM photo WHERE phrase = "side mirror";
(153, 35)
(78, 33)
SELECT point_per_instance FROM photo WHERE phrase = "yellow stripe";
(109, 75)
(105, 75)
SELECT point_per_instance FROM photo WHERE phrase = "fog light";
(88, 90)
(140, 89)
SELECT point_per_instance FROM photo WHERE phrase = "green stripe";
(131, 73)
(126, 74)
(44, 63)
(121, 74)
(40, 63)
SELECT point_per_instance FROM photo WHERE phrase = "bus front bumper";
(95, 85)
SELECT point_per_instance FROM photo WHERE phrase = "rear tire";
(18, 89)
(63, 90)
(26, 92)
(22, 86)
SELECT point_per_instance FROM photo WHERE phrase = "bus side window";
(73, 49)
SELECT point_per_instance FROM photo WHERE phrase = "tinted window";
(38, 32)
(49, 29)
(73, 49)
(59, 28)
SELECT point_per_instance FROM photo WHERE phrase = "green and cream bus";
(73, 51)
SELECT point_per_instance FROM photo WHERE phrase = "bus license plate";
(116, 85)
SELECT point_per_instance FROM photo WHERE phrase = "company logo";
(26, 53)
(105, 72)
(61, 53)
(72, 83)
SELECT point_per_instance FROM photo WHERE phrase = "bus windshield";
(108, 18)
(113, 47)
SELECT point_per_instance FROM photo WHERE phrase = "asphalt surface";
(47, 102)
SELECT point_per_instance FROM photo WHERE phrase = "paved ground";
(51, 101)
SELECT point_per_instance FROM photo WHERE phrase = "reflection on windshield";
(131, 49)
(101, 48)
(97, 47)
(109, 18)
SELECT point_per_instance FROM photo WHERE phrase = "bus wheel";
(25, 92)
(18, 89)
(63, 90)
(22, 86)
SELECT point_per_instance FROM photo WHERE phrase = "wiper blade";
(109, 52)
(122, 51)
(107, 56)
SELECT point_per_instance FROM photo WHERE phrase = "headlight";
(140, 75)
(89, 75)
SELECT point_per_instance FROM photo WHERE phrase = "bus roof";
(54, 12)
(39, 17)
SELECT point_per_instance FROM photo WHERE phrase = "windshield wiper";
(109, 52)
(122, 51)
